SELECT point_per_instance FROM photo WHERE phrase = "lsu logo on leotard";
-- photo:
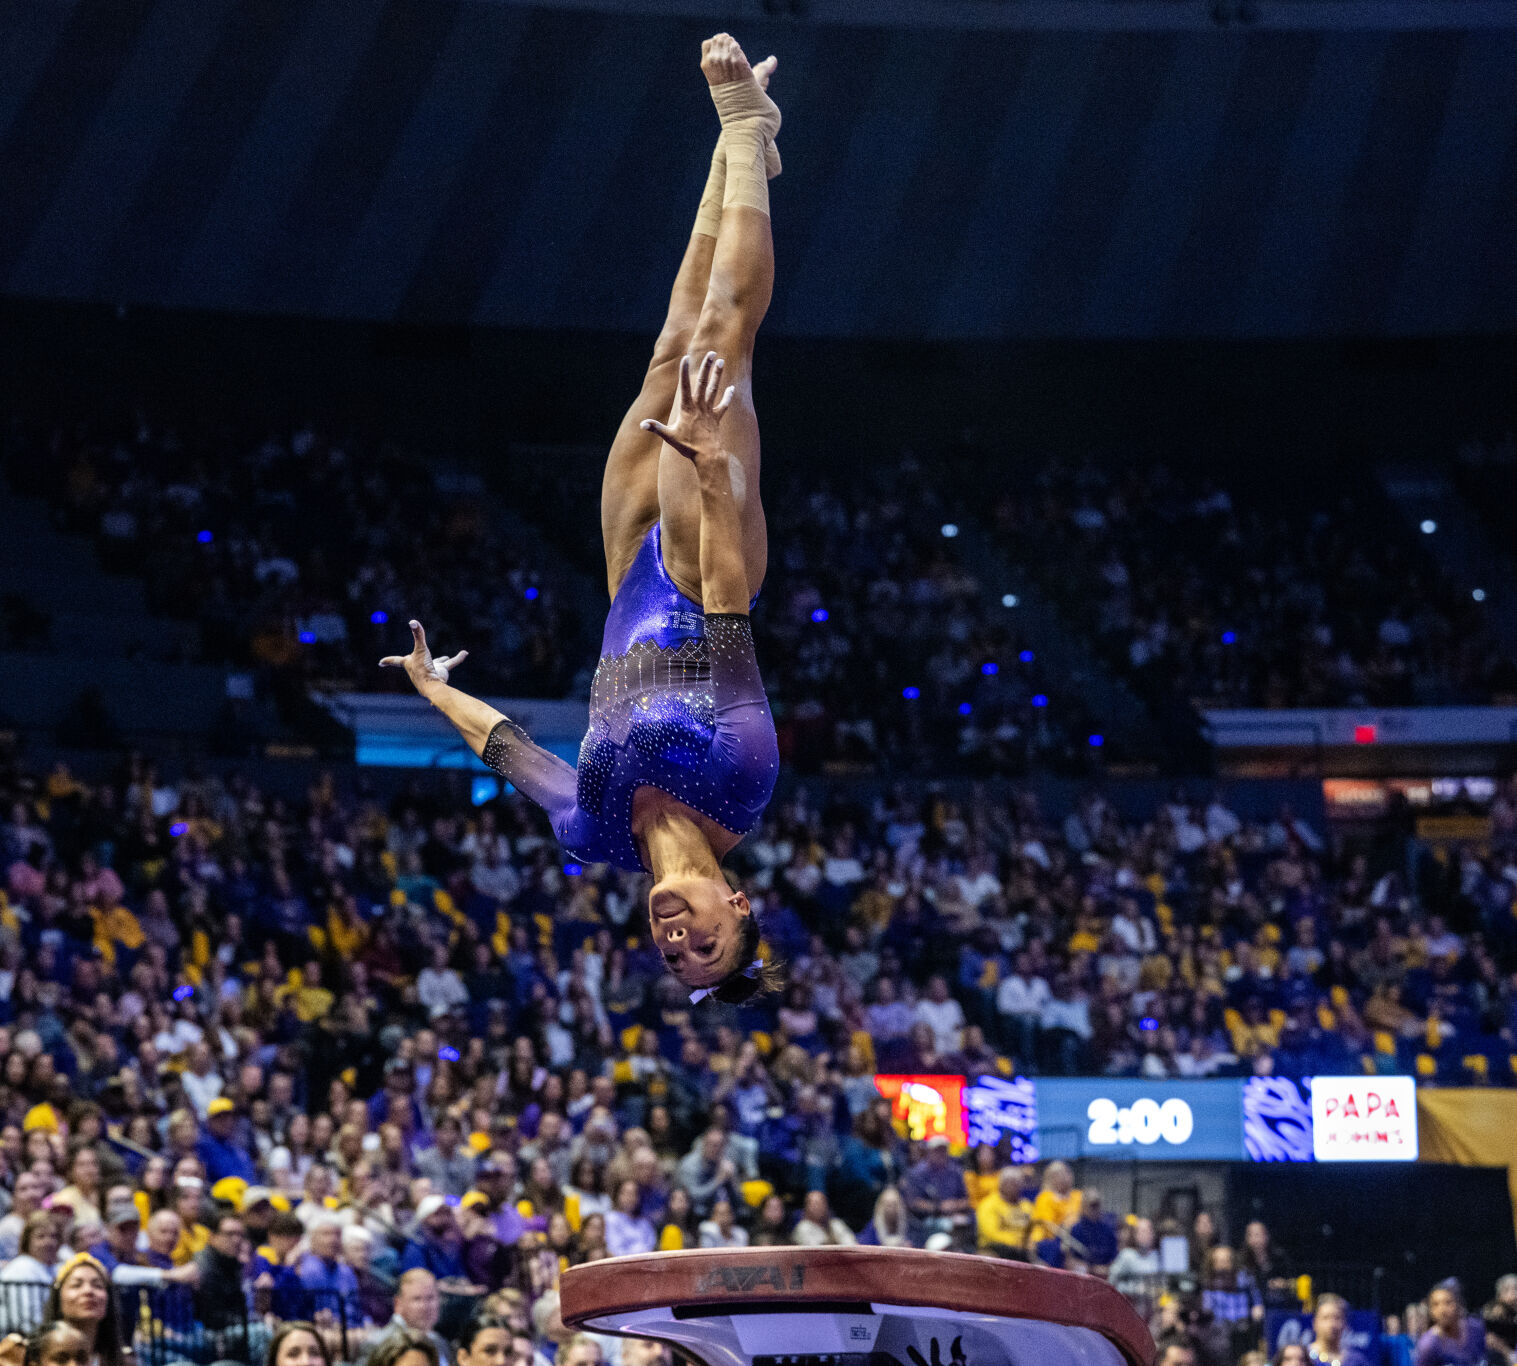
(693, 622)
(744, 1279)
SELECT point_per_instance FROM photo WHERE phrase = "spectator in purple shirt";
(396, 1104)
(496, 1178)
(1455, 1339)
(328, 1280)
(934, 1187)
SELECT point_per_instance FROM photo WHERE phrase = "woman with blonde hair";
(890, 1226)
(1054, 1213)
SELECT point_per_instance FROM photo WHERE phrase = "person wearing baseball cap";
(437, 1243)
(221, 1146)
(257, 1209)
(934, 1188)
(120, 1256)
(229, 1191)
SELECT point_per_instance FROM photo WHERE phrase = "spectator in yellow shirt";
(1003, 1218)
(983, 1181)
(1055, 1211)
(189, 1196)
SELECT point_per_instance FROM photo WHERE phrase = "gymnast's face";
(696, 924)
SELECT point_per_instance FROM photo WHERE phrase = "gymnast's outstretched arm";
(541, 777)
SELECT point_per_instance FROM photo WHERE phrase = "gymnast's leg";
(629, 490)
(629, 487)
(737, 297)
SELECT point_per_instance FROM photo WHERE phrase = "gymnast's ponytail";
(759, 977)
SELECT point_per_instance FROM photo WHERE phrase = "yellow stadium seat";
(1339, 997)
(1385, 1042)
(1427, 1065)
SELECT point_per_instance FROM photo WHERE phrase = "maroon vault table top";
(615, 1295)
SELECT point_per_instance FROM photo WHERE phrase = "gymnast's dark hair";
(741, 988)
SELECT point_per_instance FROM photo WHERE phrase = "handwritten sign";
(1364, 1119)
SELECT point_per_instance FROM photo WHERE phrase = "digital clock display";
(1146, 1121)
(1132, 1118)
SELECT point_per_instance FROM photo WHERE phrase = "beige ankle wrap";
(750, 123)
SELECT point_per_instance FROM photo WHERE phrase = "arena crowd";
(883, 647)
(292, 552)
(390, 1065)
(1291, 598)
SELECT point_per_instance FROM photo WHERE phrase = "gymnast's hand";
(694, 425)
(419, 665)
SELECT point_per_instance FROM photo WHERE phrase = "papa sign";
(1364, 1119)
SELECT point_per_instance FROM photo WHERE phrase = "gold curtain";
(1469, 1127)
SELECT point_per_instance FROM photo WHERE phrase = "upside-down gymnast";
(680, 759)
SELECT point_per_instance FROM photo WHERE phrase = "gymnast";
(679, 760)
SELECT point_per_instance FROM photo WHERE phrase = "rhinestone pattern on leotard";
(684, 711)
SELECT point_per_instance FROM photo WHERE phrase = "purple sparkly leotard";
(677, 704)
